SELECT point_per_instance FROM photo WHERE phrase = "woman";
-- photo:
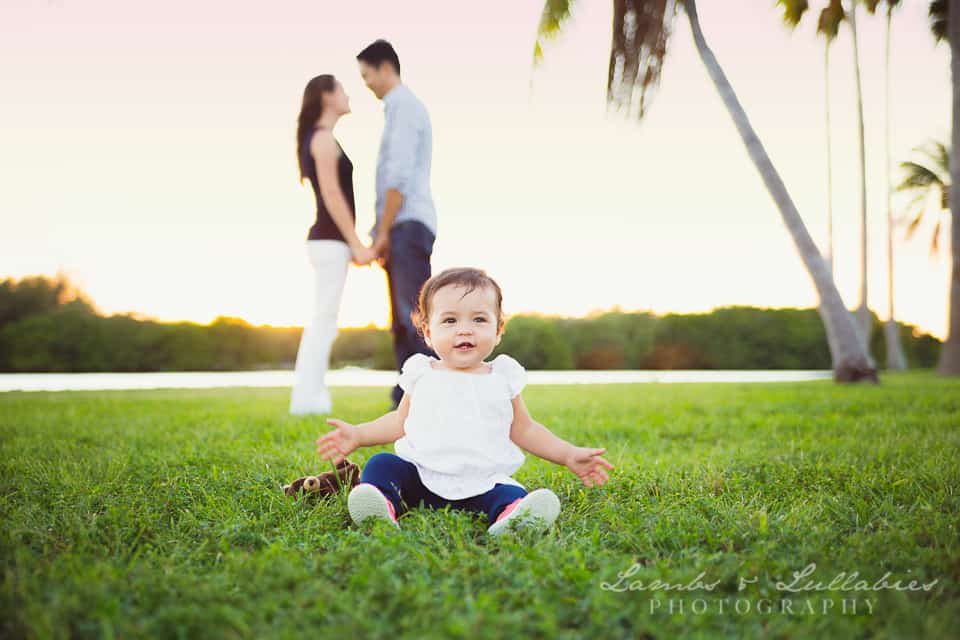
(332, 241)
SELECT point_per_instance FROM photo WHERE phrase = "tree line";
(48, 326)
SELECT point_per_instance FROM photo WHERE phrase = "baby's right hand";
(339, 443)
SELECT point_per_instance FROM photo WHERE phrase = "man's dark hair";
(379, 52)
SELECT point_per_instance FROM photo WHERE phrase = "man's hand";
(587, 464)
(340, 443)
(393, 201)
(381, 246)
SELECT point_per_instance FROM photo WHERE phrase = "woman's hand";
(339, 443)
(363, 255)
(587, 464)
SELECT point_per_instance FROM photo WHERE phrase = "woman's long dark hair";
(310, 110)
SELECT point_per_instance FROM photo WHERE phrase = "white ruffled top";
(457, 432)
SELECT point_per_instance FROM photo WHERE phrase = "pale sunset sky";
(147, 151)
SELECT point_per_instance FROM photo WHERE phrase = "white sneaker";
(366, 501)
(305, 404)
(537, 510)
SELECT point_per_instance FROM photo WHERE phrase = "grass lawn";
(159, 514)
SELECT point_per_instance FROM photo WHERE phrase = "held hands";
(587, 464)
(363, 255)
(379, 251)
(339, 443)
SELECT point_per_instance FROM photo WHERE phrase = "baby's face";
(463, 329)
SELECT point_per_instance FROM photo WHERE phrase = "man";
(406, 224)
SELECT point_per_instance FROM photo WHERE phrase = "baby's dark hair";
(466, 277)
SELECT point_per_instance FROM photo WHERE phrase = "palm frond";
(938, 155)
(872, 5)
(916, 202)
(917, 218)
(938, 19)
(793, 11)
(830, 18)
(641, 31)
(555, 14)
(927, 177)
(917, 176)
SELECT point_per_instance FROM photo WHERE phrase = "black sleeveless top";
(325, 228)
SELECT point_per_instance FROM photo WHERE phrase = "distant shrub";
(46, 325)
(537, 343)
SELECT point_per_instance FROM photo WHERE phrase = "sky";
(147, 152)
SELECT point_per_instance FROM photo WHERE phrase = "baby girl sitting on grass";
(461, 425)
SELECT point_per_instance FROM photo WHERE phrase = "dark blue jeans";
(400, 482)
(411, 245)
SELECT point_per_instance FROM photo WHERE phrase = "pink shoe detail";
(507, 509)
(536, 510)
(366, 501)
(393, 515)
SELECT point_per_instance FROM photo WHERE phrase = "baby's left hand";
(588, 465)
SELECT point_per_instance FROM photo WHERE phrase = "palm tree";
(864, 319)
(895, 358)
(830, 18)
(945, 23)
(828, 26)
(926, 179)
(641, 33)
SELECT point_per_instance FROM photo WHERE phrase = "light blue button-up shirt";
(406, 151)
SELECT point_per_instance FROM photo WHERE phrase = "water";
(354, 377)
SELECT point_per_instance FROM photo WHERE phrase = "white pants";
(330, 259)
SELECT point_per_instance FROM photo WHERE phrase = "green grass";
(159, 514)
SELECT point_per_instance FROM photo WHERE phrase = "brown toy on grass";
(324, 484)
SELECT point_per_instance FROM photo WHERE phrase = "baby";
(461, 424)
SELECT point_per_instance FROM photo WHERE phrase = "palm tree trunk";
(850, 360)
(826, 112)
(864, 321)
(895, 358)
(950, 354)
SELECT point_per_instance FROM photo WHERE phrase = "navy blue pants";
(411, 245)
(400, 482)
